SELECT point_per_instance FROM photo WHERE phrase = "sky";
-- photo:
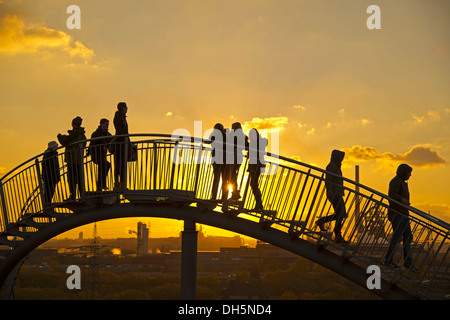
(310, 69)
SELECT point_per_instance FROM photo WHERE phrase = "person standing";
(398, 215)
(98, 150)
(239, 140)
(334, 185)
(75, 144)
(50, 171)
(257, 147)
(121, 146)
(217, 139)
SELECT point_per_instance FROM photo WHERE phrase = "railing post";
(155, 165)
(41, 189)
(124, 164)
(81, 186)
(4, 210)
(197, 170)
(357, 199)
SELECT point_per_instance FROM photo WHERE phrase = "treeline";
(301, 280)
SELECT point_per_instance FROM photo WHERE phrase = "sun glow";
(230, 190)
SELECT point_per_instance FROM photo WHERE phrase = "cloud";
(420, 156)
(18, 37)
(430, 116)
(299, 107)
(418, 119)
(311, 132)
(272, 123)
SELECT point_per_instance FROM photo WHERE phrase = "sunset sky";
(309, 68)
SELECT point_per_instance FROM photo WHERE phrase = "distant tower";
(142, 239)
(80, 236)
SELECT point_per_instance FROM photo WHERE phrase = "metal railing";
(293, 198)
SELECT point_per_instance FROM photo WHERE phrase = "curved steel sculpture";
(171, 177)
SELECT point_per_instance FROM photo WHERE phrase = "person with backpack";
(98, 150)
(75, 144)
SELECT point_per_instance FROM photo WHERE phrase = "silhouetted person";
(121, 146)
(239, 140)
(399, 216)
(256, 163)
(335, 194)
(74, 156)
(98, 150)
(50, 171)
(217, 138)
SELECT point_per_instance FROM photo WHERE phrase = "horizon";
(309, 70)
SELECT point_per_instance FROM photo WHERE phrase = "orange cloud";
(18, 37)
(272, 123)
(420, 156)
(431, 116)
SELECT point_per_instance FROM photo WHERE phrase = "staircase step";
(14, 231)
(30, 223)
(5, 240)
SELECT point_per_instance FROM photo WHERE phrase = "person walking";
(398, 215)
(335, 194)
(98, 150)
(75, 144)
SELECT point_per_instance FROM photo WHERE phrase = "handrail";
(293, 193)
(423, 214)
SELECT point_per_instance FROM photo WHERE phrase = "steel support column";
(188, 285)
